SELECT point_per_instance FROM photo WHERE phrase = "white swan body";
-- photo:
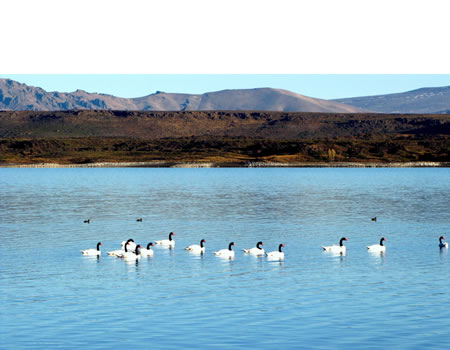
(226, 253)
(276, 254)
(93, 251)
(167, 242)
(337, 249)
(147, 251)
(442, 244)
(377, 248)
(256, 250)
(116, 252)
(196, 249)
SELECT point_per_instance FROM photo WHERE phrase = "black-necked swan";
(167, 242)
(121, 251)
(378, 248)
(93, 251)
(442, 244)
(337, 249)
(132, 255)
(87, 221)
(276, 254)
(226, 253)
(197, 249)
(121, 254)
(147, 251)
(130, 242)
(255, 250)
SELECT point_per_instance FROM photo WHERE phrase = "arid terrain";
(223, 137)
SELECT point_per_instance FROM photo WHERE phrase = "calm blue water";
(52, 297)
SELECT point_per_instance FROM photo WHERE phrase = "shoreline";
(167, 164)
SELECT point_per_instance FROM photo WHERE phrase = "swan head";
(149, 245)
(259, 244)
(441, 238)
(170, 235)
(280, 246)
(138, 249)
(342, 240)
(202, 242)
(382, 240)
(98, 245)
(230, 246)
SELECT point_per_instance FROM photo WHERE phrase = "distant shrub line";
(398, 148)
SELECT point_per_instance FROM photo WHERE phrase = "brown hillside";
(156, 125)
(221, 137)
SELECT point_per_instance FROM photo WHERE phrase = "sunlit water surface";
(53, 297)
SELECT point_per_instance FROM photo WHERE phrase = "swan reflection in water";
(378, 258)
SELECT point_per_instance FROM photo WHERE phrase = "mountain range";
(425, 100)
(15, 96)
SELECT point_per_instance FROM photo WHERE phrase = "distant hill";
(267, 99)
(425, 100)
(15, 96)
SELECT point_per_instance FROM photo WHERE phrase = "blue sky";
(326, 86)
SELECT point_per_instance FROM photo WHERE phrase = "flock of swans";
(131, 250)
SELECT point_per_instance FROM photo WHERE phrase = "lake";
(52, 297)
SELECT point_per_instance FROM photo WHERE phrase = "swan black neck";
(342, 240)
(170, 235)
(259, 244)
(149, 245)
(202, 242)
(381, 241)
(138, 250)
(279, 247)
(441, 238)
(230, 246)
(98, 245)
